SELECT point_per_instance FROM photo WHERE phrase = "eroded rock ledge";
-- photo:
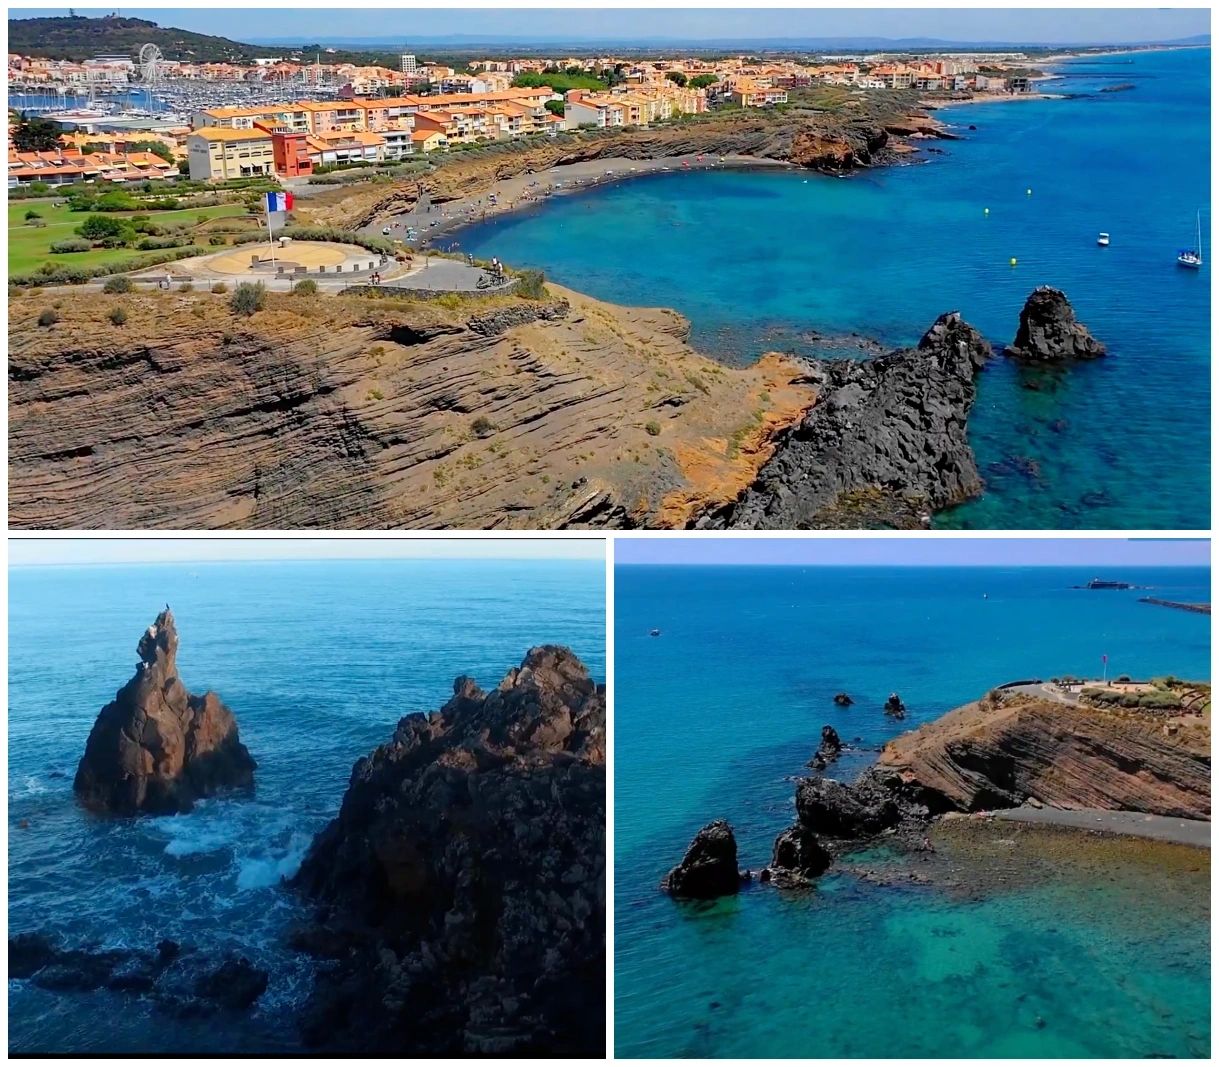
(462, 886)
(156, 747)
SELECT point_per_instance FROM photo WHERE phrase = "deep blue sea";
(717, 717)
(757, 259)
(318, 661)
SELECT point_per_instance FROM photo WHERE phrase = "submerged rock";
(709, 867)
(461, 888)
(173, 978)
(156, 747)
(1049, 331)
(843, 700)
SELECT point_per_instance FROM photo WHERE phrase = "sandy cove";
(434, 220)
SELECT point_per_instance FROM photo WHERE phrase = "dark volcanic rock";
(895, 707)
(236, 983)
(173, 978)
(1049, 331)
(832, 809)
(462, 886)
(156, 747)
(828, 750)
(709, 868)
(884, 444)
(798, 854)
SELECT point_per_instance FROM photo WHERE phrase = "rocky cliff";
(156, 747)
(885, 443)
(999, 754)
(1004, 751)
(462, 886)
(348, 413)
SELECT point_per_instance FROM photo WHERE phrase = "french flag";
(279, 202)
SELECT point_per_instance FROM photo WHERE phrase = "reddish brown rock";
(985, 755)
(461, 889)
(156, 747)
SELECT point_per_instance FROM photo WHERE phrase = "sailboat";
(1192, 257)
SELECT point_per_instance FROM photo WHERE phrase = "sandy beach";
(433, 221)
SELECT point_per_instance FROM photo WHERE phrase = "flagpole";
(270, 235)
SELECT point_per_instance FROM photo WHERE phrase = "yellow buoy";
(1012, 261)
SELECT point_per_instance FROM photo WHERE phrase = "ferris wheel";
(151, 64)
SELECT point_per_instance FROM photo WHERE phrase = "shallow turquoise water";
(717, 717)
(758, 259)
(318, 661)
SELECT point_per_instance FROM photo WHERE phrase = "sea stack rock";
(895, 707)
(708, 869)
(461, 889)
(1049, 331)
(798, 856)
(157, 748)
(828, 750)
(832, 809)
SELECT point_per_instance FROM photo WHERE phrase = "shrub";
(248, 298)
(118, 284)
(31, 215)
(48, 317)
(74, 244)
(1159, 700)
(305, 287)
(482, 426)
(149, 244)
(219, 287)
(653, 429)
(216, 239)
(118, 316)
(186, 287)
(531, 285)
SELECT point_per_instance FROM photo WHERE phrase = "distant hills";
(77, 38)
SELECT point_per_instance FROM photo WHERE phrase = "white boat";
(1192, 257)
(1102, 239)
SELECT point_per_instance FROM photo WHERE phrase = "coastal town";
(288, 117)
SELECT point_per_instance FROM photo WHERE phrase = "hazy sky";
(25, 552)
(913, 552)
(1030, 26)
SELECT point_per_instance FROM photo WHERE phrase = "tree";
(35, 135)
(701, 81)
(676, 77)
(101, 227)
(157, 148)
(555, 107)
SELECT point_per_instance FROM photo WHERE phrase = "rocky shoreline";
(456, 904)
(1065, 765)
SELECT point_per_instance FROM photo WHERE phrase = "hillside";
(78, 38)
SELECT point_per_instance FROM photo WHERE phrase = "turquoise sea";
(318, 661)
(717, 717)
(758, 259)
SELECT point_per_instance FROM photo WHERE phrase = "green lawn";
(29, 246)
